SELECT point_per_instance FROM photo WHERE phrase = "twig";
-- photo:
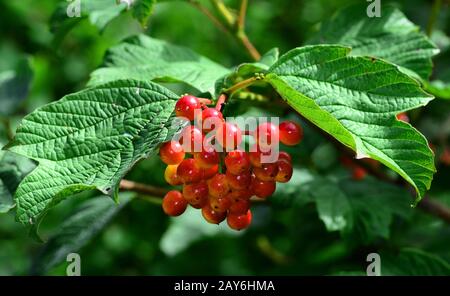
(241, 84)
(435, 9)
(142, 188)
(242, 14)
(243, 38)
(7, 124)
(224, 12)
(209, 15)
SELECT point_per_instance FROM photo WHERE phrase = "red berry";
(259, 156)
(239, 206)
(242, 194)
(229, 136)
(445, 157)
(220, 204)
(211, 119)
(170, 175)
(210, 172)
(285, 171)
(174, 203)
(291, 133)
(403, 117)
(237, 162)
(207, 158)
(218, 186)
(284, 155)
(267, 172)
(191, 139)
(171, 152)
(263, 189)
(189, 172)
(239, 182)
(212, 216)
(239, 221)
(358, 173)
(196, 194)
(186, 106)
(267, 134)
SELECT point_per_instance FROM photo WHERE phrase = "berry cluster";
(222, 183)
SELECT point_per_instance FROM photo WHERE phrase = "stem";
(224, 12)
(242, 84)
(435, 9)
(220, 102)
(243, 39)
(7, 124)
(242, 14)
(127, 185)
(209, 15)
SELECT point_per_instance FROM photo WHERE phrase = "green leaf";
(99, 13)
(145, 58)
(89, 140)
(355, 100)
(413, 262)
(13, 168)
(391, 37)
(438, 88)
(142, 10)
(87, 220)
(14, 86)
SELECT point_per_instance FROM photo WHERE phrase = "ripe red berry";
(206, 158)
(171, 152)
(196, 194)
(259, 156)
(239, 182)
(267, 172)
(403, 117)
(186, 106)
(211, 119)
(220, 204)
(263, 189)
(189, 172)
(239, 206)
(237, 162)
(445, 157)
(267, 134)
(358, 173)
(174, 203)
(285, 171)
(284, 155)
(218, 186)
(210, 172)
(212, 216)
(229, 136)
(242, 194)
(291, 133)
(191, 139)
(239, 221)
(170, 175)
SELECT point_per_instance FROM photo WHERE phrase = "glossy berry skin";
(358, 173)
(189, 172)
(220, 204)
(171, 152)
(210, 172)
(267, 134)
(218, 186)
(170, 175)
(229, 136)
(192, 139)
(237, 162)
(186, 106)
(241, 194)
(239, 221)
(212, 216)
(207, 158)
(256, 155)
(263, 189)
(196, 194)
(285, 171)
(211, 119)
(267, 172)
(174, 203)
(239, 206)
(239, 182)
(291, 133)
(283, 155)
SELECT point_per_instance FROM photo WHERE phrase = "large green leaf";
(145, 58)
(89, 140)
(391, 37)
(87, 220)
(355, 100)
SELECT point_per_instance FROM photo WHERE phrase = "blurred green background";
(287, 236)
